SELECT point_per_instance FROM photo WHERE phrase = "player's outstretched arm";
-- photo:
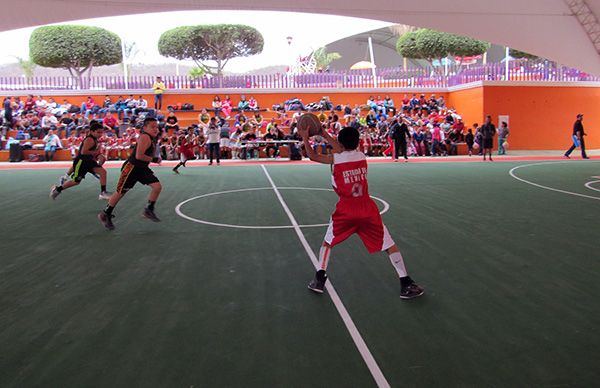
(312, 155)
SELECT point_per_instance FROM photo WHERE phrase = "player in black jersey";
(134, 170)
(85, 162)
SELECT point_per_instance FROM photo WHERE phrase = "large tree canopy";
(218, 43)
(434, 45)
(75, 48)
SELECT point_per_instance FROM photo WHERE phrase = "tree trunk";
(220, 73)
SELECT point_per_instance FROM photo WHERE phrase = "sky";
(308, 32)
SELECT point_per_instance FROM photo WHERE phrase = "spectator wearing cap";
(578, 140)
(159, 88)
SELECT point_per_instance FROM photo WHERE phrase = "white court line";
(352, 329)
(180, 213)
(511, 172)
(589, 185)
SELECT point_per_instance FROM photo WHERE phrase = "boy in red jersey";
(186, 149)
(355, 211)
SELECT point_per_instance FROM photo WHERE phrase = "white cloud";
(309, 31)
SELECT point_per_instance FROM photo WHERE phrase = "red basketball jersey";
(349, 176)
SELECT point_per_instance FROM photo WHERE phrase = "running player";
(186, 148)
(355, 211)
(86, 162)
(134, 170)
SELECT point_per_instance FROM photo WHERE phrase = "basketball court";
(216, 295)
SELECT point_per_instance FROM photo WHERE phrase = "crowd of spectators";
(432, 129)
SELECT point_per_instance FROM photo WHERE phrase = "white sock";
(398, 263)
(324, 253)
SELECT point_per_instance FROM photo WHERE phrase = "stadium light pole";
(125, 72)
(506, 60)
(372, 62)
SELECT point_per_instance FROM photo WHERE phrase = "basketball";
(505, 145)
(100, 159)
(309, 122)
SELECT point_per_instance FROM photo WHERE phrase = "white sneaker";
(54, 193)
(105, 195)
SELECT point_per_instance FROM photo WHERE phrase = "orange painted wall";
(469, 104)
(541, 118)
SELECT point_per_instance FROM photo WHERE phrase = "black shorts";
(81, 167)
(131, 174)
(488, 143)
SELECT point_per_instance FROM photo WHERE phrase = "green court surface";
(511, 272)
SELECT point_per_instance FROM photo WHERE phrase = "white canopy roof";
(548, 28)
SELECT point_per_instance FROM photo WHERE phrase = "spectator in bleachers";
(252, 103)
(243, 104)
(66, 124)
(441, 103)
(49, 121)
(217, 105)
(111, 124)
(226, 107)
(142, 105)
(106, 106)
(120, 107)
(29, 103)
(51, 144)
(274, 134)
(389, 106)
(131, 103)
(171, 123)
(40, 103)
(86, 107)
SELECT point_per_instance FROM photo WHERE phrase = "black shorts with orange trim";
(131, 174)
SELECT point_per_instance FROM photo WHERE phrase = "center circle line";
(386, 207)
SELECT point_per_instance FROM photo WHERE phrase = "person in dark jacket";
(399, 132)
(488, 130)
(578, 140)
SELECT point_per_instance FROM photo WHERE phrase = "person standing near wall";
(213, 135)
(159, 88)
(502, 135)
(578, 140)
(488, 130)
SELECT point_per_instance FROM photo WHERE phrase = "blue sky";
(309, 31)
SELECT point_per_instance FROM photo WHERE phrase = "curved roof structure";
(566, 31)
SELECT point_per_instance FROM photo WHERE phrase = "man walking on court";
(578, 140)
(355, 211)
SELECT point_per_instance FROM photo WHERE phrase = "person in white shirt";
(52, 143)
(49, 121)
(213, 136)
(142, 105)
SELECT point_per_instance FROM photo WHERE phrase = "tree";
(75, 48)
(27, 66)
(218, 43)
(523, 55)
(197, 72)
(323, 58)
(432, 45)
